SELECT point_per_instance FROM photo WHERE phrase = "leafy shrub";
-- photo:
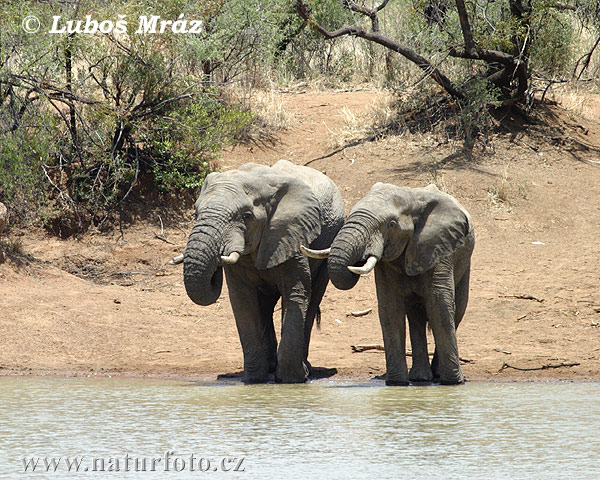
(179, 147)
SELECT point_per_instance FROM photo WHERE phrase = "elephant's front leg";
(440, 305)
(255, 329)
(295, 287)
(392, 316)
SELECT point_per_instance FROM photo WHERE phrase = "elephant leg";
(294, 286)
(461, 298)
(253, 328)
(320, 278)
(392, 316)
(417, 321)
(267, 304)
(440, 306)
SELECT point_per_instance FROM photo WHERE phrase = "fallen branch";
(364, 348)
(543, 367)
(523, 297)
(161, 236)
(360, 313)
(499, 350)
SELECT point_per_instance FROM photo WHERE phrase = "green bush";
(181, 146)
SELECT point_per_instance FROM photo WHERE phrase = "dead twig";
(523, 297)
(360, 313)
(543, 367)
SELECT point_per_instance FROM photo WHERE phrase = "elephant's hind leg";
(318, 285)
(461, 297)
(417, 319)
(441, 310)
(267, 304)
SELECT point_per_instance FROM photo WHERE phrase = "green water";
(318, 430)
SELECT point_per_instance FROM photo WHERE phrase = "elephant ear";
(441, 227)
(294, 220)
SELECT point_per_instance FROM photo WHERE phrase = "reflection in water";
(320, 430)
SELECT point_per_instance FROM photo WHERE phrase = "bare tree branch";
(586, 60)
(377, 37)
(465, 27)
(368, 12)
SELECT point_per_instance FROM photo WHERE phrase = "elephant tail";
(318, 285)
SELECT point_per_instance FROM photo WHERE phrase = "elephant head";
(421, 225)
(253, 211)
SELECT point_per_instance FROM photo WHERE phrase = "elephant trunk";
(202, 270)
(348, 249)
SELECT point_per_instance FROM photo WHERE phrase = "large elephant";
(251, 222)
(419, 241)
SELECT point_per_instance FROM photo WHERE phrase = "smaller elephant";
(250, 223)
(419, 241)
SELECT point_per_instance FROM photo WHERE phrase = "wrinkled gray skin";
(423, 240)
(265, 214)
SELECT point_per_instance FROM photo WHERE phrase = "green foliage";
(474, 117)
(75, 139)
(182, 145)
(551, 51)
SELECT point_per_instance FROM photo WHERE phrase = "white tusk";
(176, 260)
(366, 268)
(315, 253)
(230, 259)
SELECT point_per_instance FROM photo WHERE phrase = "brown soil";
(108, 304)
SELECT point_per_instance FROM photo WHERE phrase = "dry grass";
(269, 112)
(579, 100)
(498, 194)
(374, 121)
(438, 179)
(14, 246)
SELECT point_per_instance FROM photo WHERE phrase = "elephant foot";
(308, 368)
(255, 380)
(454, 378)
(260, 375)
(453, 381)
(396, 383)
(420, 374)
(288, 375)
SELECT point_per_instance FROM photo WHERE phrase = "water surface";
(318, 430)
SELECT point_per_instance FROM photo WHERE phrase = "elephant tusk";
(309, 252)
(366, 268)
(230, 259)
(176, 260)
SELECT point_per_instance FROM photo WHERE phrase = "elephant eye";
(393, 224)
(247, 215)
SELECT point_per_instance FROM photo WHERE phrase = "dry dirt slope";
(537, 217)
